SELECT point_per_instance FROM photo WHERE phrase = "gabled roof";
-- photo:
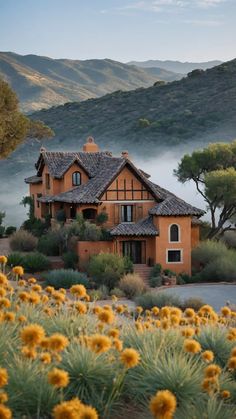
(172, 205)
(144, 227)
(33, 179)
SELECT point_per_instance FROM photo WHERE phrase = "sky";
(123, 30)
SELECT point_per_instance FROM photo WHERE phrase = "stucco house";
(146, 222)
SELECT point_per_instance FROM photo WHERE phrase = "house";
(146, 222)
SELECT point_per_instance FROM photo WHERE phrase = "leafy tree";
(213, 170)
(14, 126)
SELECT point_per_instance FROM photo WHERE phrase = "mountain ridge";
(179, 67)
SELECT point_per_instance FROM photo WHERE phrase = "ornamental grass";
(62, 356)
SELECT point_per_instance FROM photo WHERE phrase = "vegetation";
(65, 278)
(14, 126)
(132, 285)
(35, 262)
(108, 268)
(215, 262)
(213, 171)
(79, 360)
(23, 241)
(160, 299)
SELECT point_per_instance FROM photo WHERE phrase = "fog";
(160, 167)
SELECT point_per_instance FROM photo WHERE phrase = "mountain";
(175, 66)
(42, 82)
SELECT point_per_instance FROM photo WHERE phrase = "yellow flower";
(189, 312)
(58, 378)
(163, 405)
(24, 296)
(32, 335)
(165, 312)
(139, 309)
(118, 345)
(188, 332)
(78, 291)
(114, 333)
(32, 281)
(2, 292)
(208, 356)
(120, 309)
(3, 279)
(100, 343)
(130, 357)
(37, 288)
(155, 311)
(3, 377)
(226, 311)
(67, 410)
(210, 384)
(49, 289)
(4, 302)
(3, 260)
(81, 307)
(232, 363)
(44, 299)
(192, 346)
(225, 394)
(106, 316)
(34, 298)
(97, 310)
(114, 298)
(87, 412)
(233, 351)
(30, 353)
(212, 370)
(22, 319)
(3, 397)
(46, 358)
(21, 283)
(9, 316)
(58, 296)
(57, 342)
(174, 319)
(18, 270)
(5, 412)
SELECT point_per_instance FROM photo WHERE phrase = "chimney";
(90, 146)
(125, 154)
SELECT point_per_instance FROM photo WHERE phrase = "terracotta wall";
(36, 189)
(86, 249)
(163, 243)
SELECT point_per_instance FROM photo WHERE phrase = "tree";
(213, 170)
(14, 126)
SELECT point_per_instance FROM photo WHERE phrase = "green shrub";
(117, 292)
(229, 239)
(184, 278)
(90, 232)
(192, 302)
(155, 281)
(10, 230)
(35, 262)
(102, 218)
(208, 251)
(156, 270)
(15, 259)
(70, 260)
(23, 241)
(169, 273)
(36, 226)
(65, 278)
(159, 299)
(107, 269)
(132, 285)
(51, 243)
(2, 231)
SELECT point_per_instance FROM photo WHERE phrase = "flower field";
(63, 357)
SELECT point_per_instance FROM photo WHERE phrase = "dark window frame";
(127, 213)
(75, 181)
(174, 233)
(174, 256)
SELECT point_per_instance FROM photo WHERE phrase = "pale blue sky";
(189, 30)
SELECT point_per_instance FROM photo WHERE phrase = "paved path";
(215, 295)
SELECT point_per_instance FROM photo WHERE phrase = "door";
(73, 212)
(134, 250)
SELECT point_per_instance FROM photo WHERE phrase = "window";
(126, 213)
(47, 181)
(89, 213)
(38, 196)
(174, 256)
(174, 233)
(76, 179)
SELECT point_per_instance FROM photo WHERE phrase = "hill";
(42, 82)
(175, 66)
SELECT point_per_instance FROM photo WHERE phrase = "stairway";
(143, 271)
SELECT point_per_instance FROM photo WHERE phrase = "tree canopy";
(14, 126)
(213, 170)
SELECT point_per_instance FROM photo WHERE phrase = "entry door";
(73, 212)
(133, 249)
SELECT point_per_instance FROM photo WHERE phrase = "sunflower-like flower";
(118, 344)
(130, 357)
(18, 271)
(23, 296)
(81, 307)
(4, 302)
(106, 316)
(3, 260)
(212, 370)
(163, 405)
(165, 312)
(208, 356)
(100, 343)
(79, 291)
(88, 412)
(9, 316)
(32, 335)
(114, 333)
(139, 309)
(36, 288)
(46, 358)
(210, 384)
(225, 311)
(49, 289)
(232, 363)
(225, 394)
(58, 378)
(3, 280)
(67, 410)
(3, 397)
(155, 311)
(189, 312)
(188, 332)
(30, 353)
(22, 319)
(2, 292)
(192, 346)
(5, 412)
(57, 342)
(3, 377)
(34, 298)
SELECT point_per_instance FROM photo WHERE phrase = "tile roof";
(172, 205)
(33, 179)
(144, 227)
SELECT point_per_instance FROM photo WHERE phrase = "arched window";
(76, 178)
(174, 233)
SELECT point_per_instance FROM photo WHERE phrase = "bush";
(36, 226)
(117, 292)
(70, 260)
(65, 278)
(169, 273)
(15, 259)
(193, 302)
(35, 262)
(2, 231)
(10, 230)
(51, 243)
(107, 269)
(132, 285)
(101, 218)
(155, 281)
(229, 239)
(156, 270)
(23, 241)
(157, 299)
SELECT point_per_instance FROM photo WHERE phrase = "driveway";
(215, 295)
